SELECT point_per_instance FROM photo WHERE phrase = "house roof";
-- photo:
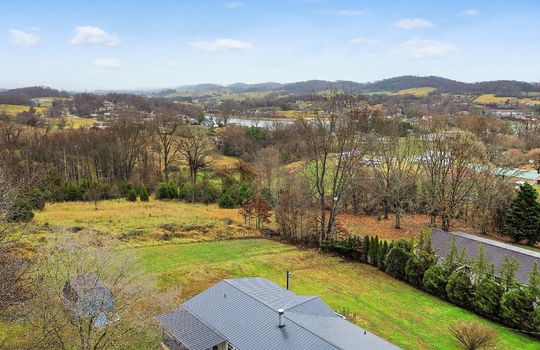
(494, 251)
(518, 173)
(244, 313)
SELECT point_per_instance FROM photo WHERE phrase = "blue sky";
(87, 45)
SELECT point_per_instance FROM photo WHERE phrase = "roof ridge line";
(310, 298)
(285, 315)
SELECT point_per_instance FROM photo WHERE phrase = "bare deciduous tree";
(165, 128)
(90, 299)
(396, 173)
(449, 160)
(194, 147)
(333, 149)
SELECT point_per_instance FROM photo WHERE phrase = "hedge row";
(469, 284)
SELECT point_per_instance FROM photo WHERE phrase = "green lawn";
(389, 308)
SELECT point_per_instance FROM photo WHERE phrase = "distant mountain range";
(441, 85)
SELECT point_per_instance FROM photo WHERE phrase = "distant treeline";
(24, 96)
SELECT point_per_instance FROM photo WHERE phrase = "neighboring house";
(519, 176)
(494, 251)
(257, 314)
(87, 297)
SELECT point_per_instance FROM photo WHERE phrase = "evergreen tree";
(507, 273)
(454, 259)
(480, 267)
(523, 218)
(383, 251)
(534, 282)
(365, 249)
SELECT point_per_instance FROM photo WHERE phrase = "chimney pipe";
(288, 276)
(281, 323)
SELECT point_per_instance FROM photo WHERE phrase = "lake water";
(263, 123)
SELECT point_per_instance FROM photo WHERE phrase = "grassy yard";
(389, 308)
(210, 244)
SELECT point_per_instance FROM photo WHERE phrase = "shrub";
(435, 281)
(73, 192)
(167, 190)
(125, 187)
(397, 258)
(459, 288)
(383, 251)
(472, 336)
(132, 195)
(517, 309)
(365, 249)
(487, 297)
(226, 201)
(143, 194)
(373, 251)
(36, 198)
(417, 265)
(20, 210)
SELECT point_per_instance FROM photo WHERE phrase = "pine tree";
(454, 259)
(534, 282)
(507, 273)
(523, 218)
(365, 249)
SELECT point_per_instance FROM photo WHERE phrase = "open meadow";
(186, 248)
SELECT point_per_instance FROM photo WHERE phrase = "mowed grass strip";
(389, 308)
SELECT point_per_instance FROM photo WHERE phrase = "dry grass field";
(14, 109)
(491, 98)
(421, 91)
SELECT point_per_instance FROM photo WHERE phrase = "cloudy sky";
(100, 44)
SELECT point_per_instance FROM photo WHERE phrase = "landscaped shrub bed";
(471, 284)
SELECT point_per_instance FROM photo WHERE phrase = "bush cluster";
(470, 284)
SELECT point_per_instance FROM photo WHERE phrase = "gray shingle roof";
(244, 312)
(495, 251)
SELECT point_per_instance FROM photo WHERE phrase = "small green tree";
(507, 273)
(459, 288)
(19, 210)
(397, 258)
(435, 280)
(534, 282)
(488, 294)
(517, 309)
(454, 259)
(383, 251)
(132, 195)
(365, 249)
(480, 267)
(522, 220)
(373, 252)
(143, 194)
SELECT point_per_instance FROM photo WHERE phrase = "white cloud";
(365, 41)
(233, 5)
(469, 13)
(108, 63)
(220, 45)
(89, 35)
(344, 13)
(18, 37)
(419, 48)
(414, 23)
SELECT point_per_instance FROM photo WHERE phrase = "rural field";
(186, 248)
(491, 98)
(13, 110)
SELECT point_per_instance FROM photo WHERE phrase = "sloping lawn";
(389, 308)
